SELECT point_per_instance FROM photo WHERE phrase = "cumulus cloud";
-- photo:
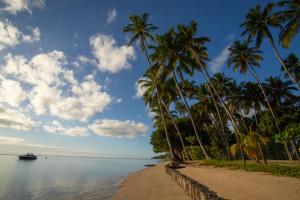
(11, 92)
(111, 57)
(15, 120)
(111, 15)
(52, 88)
(15, 6)
(218, 62)
(82, 59)
(11, 36)
(120, 129)
(58, 128)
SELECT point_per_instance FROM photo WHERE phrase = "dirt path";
(150, 184)
(242, 185)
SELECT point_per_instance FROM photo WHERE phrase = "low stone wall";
(193, 188)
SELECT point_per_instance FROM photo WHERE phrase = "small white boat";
(28, 156)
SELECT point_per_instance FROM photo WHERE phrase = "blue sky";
(67, 80)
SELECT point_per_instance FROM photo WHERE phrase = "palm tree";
(292, 63)
(141, 31)
(194, 47)
(245, 58)
(166, 55)
(152, 98)
(257, 25)
(291, 18)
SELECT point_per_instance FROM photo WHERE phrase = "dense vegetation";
(212, 116)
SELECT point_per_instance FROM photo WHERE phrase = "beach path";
(150, 184)
(237, 185)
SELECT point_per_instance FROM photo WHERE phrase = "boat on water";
(28, 156)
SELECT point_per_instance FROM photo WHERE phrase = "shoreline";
(148, 184)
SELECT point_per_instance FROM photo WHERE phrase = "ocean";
(64, 178)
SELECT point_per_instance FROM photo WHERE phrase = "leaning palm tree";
(166, 54)
(151, 97)
(244, 58)
(257, 24)
(292, 63)
(141, 31)
(195, 52)
(291, 20)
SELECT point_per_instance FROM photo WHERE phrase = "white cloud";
(218, 62)
(56, 127)
(54, 89)
(11, 36)
(10, 140)
(11, 92)
(85, 60)
(15, 120)
(15, 6)
(109, 56)
(111, 15)
(120, 129)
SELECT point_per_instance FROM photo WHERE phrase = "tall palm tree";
(141, 32)
(244, 58)
(257, 24)
(194, 47)
(151, 97)
(166, 53)
(292, 63)
(291, 20)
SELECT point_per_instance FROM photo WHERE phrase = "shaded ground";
(150, 184)
(236, 185)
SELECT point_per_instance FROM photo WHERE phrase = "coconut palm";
(151, 97)
(141, 31)
(258, 23)
(196, 54)
(244, 58)
(291, 19)
(292, 63)
(166, 54)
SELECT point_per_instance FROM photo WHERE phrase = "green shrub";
(278, 170)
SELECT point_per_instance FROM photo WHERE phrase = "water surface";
(63, 177)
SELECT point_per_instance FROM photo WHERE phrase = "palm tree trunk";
(177, 129)
(283, 65)
(165, 127)
(221, 122)
(159, 102)
(191, 117)
(252, 70)
(261, 153)
(288, 151)
(295, 149)
(270, 108)
(222, 103)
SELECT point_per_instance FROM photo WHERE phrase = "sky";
(68, 79)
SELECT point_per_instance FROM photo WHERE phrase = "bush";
(278, 170)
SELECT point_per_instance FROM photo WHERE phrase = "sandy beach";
(153, 183)
(150, 184)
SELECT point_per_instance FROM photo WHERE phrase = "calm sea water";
(63, 177)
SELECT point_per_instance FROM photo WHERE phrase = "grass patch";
(274, 169)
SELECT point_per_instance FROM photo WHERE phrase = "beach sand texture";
(150, 184)
(154, 184)
(242, 185)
